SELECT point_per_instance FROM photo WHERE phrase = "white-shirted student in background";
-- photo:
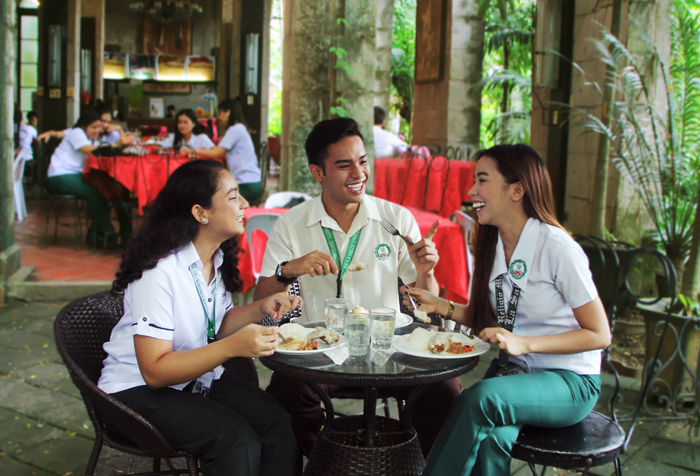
(27, 134)
(386, 144)
(297, 248)
(179, 325)
(65, 175)
(111, 134)
(189, 135)
(237, 146)
(559, 327)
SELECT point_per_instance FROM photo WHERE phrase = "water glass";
(357, 328)
(382, 327)
(335, 313)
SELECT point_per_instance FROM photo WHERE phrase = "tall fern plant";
(656, 148)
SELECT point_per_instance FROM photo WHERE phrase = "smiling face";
(225, 217)
(94, 130)
(495, 200)
(346, 172)
(184, 124)
(105, 120)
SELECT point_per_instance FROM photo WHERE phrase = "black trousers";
(238, 430)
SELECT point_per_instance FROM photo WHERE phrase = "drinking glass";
(382, 327)
(357, 333)
(335, 313)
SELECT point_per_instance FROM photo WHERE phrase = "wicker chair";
(80, 330)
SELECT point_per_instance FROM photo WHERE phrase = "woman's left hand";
(513, 344)
(185, 151)
(280, 304)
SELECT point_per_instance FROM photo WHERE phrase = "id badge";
(203, 384)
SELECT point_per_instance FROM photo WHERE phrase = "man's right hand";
(314, 264)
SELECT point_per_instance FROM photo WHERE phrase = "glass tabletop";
(377, 368)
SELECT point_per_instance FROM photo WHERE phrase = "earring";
(204, 220)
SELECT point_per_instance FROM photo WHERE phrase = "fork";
(393, 231)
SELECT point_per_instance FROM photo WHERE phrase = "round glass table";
(368, 444)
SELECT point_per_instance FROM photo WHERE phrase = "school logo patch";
(382, 251)
(518, 268)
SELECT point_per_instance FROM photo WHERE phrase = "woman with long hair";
(239, 150)
(109, 133)
(164, 356)
(65, 174)
(533, 295)
(189, 135)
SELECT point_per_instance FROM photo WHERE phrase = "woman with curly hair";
(179, 325)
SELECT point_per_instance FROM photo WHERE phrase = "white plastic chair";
(280, 199)
(468, 225)
(17, 175)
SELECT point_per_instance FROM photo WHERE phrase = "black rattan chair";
(595, 441)
(80, 330)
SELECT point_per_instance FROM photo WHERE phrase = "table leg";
(327, 403)
(410, 401)
(369, 413)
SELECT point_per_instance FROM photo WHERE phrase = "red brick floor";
(61, 261)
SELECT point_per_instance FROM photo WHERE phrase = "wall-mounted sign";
(159, 67)
(171, 68)
(70, 92)
(201, 68)
(40, 91)
(115, 66)
(55, 93)
(143, 67)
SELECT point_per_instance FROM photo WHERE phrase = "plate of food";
(439, 345)
(296, 339)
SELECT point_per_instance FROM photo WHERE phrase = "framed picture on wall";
(430, 40)
(167, 88)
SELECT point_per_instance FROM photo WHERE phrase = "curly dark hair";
(171, 225)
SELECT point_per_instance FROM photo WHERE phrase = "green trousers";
(97, 205)
(251, 191)
(478, 438)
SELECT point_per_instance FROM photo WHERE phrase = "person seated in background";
(27, 133)
(386, 144)
(533, 295)
(170, 112)
(179, 325)
(237, 146)
(65, 176)
(299, 247)
(109, 133)
(189, 135)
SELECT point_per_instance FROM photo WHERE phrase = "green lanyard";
(211, 321)
(352, 246)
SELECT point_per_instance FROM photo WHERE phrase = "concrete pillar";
(96, 9)
(9, 252)
(73, 62)
(265, 72)
(382, 81)
(230, 49)
(312, 84)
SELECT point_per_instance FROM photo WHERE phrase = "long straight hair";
(517, 163)
(179, 140)
(236, 116)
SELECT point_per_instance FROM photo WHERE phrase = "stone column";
(73, 62)
(447, 112)
(96, 9)
(311, 83)
(382, 81)
(265, 87)
(230, 49)
(9, 252)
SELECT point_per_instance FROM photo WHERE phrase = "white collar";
(521, 261)
(368, 211)
(187, 255)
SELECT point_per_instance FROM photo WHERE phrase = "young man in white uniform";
(27, 134)
(298, 248)
(386, 144)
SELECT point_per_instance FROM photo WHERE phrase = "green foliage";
(657, 150)
(691, 307)
(402, 59)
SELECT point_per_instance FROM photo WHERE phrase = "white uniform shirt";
(241, 159)
(27, 134)
(298, 232)
(199, 141)
(67, 159)
(387, 144)
(554, 279)
(163, 304)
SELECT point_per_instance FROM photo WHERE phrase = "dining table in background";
(434, 184)
(450, 272)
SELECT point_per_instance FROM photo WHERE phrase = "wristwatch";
(450, 312)
(280, 278)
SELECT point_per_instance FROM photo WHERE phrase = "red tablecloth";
(450, 272)
(449, 183)
(144, 176)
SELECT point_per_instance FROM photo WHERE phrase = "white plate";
(402, 320)
(400, 343)
(322, 347)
